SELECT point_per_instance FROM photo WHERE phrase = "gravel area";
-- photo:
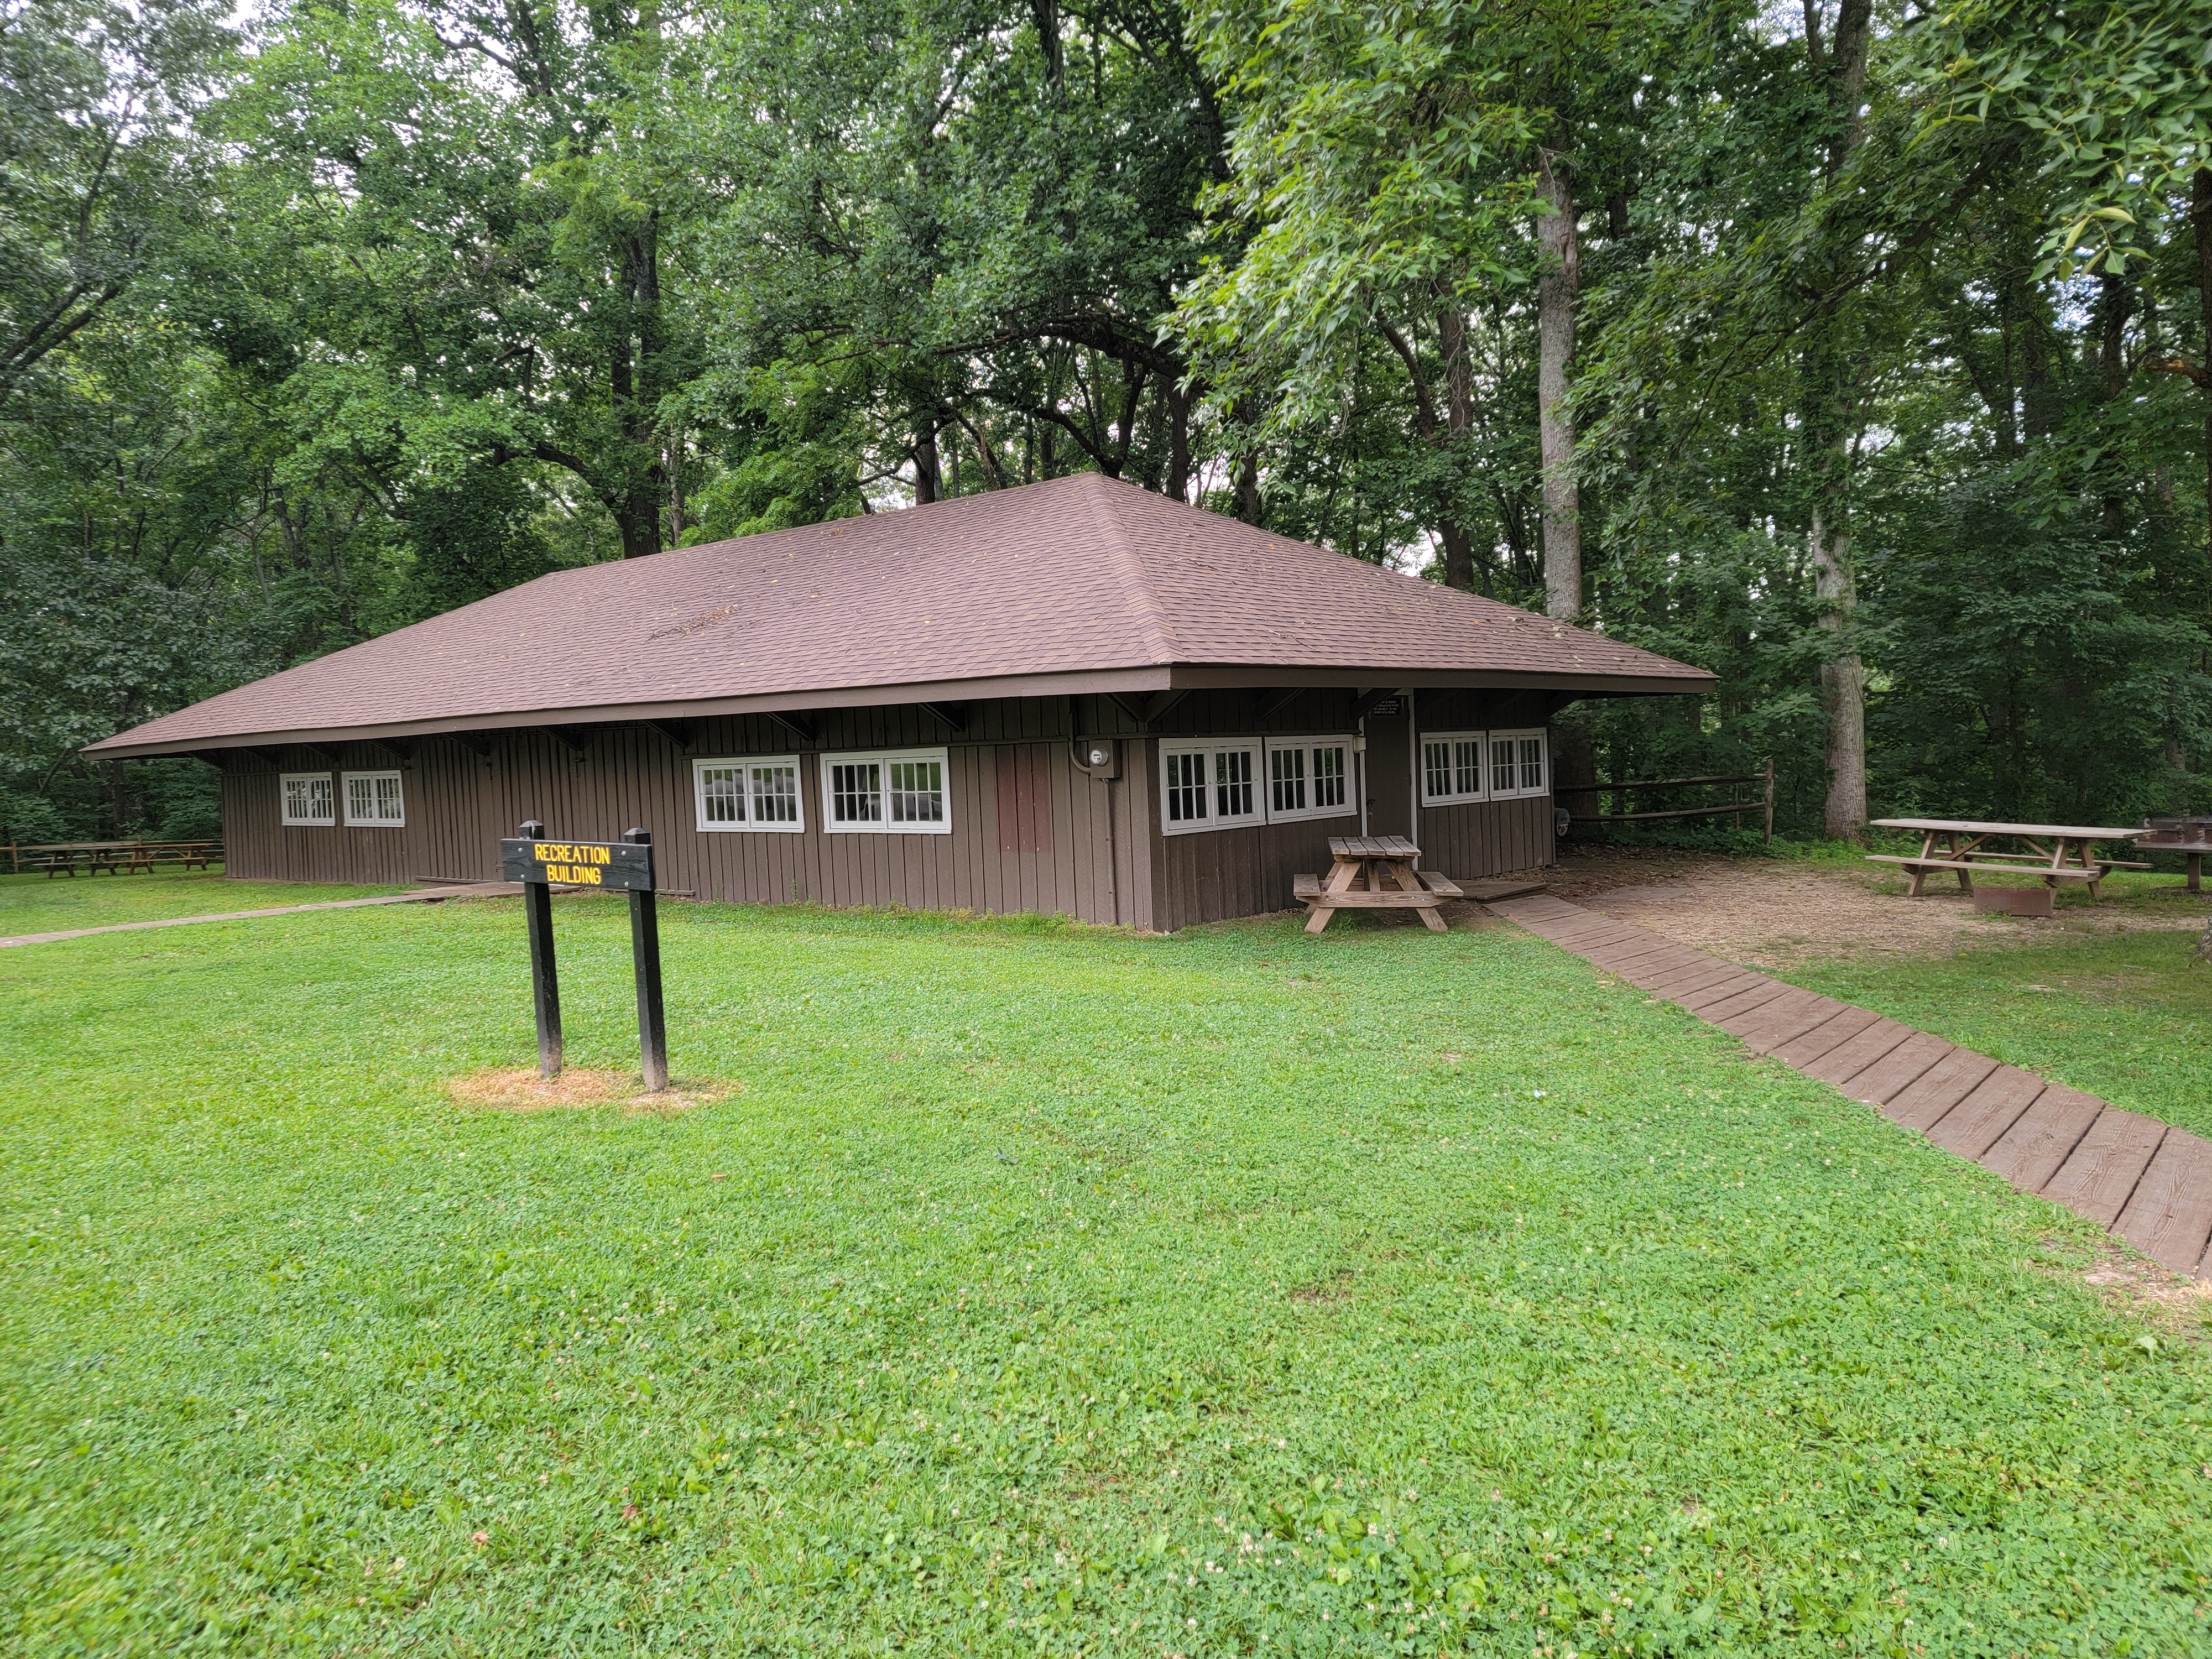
(1777, 914)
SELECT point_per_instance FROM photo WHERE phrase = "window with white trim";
(1212, 783)
(757, 793)
(1309, 778)
(897, 792)
(308, 800)
(1520, 764)
(1452, 768)
(374, 801)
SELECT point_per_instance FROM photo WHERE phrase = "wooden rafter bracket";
(402, 748)
(477, 743)
(793, 722)
(578, 744)
(682, 733)
(1279, 701)
(1371, 701)
(954, 714)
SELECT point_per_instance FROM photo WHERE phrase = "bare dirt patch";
(1776, 915)
(498, 1090)
(2174, 1305)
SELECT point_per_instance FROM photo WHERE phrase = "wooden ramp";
(2148, 1183)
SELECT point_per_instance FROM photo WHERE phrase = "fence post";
(1770, 799)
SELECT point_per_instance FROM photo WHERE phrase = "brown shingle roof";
(1080, 583)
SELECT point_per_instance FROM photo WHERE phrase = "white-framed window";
(1220, 783)
(1212, 783)
(1452, 770)
(1520, 764)
(374, 801)
(898, 793)
(756, 793)
(1309, 778)
(309, 801)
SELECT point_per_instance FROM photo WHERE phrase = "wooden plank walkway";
(419, 895)
(2145, 1181)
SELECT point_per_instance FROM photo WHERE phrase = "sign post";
(624, 866)
(645, 957)
(544, 978)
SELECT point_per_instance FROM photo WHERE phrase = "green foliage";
(1043, 1287)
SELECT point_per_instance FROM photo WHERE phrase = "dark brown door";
(1389, 776)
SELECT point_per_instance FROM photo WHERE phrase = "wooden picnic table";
(2192, 838)
(1374, 873)
(117, 858)
(2056, 852)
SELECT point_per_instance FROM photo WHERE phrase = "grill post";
(544, 978)
(645, 955)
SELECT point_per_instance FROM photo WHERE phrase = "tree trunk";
(1459, 432)
(928, 482)
(1556, 296)
(1177, 484)
(1843, 676)
(2200, 217)
(1828, 415)
(636, 386)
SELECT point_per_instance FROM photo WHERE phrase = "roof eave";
(1160, 678)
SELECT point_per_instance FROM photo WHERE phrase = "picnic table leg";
(2196, 873)
(1919, 871)
(1319, 919)
(1410, 880)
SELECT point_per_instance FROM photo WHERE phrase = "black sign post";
(624, 866)
(544, 978)
(645, 958)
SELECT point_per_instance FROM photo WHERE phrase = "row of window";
(373, 800)
(898, 792)
(1218, 783)
(1464, 766)
(1214, 783)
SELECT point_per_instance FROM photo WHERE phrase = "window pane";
(388, 807)
(720, 799)
(776, 794)
(1435, 768)
(1287, 770)
(1329, 776)
(856, 792)
(321, 799)
(295, 798)
(1467, 765)
(1532, 764)
(917, 792)
(1232, 782)
(1501, 766)
(360, 799)
(1186, 788)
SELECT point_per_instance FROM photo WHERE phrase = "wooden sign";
(624, 865)
(621, 866)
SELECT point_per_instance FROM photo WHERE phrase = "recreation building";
(1076, 696)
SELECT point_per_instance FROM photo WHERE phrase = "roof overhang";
(1163, 677)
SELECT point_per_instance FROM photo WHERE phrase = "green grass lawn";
(1042, 1289)
(53, 904)
(2126, 1016)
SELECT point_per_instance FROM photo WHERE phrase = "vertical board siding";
(1031, 830)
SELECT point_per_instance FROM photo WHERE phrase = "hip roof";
(1080, 583)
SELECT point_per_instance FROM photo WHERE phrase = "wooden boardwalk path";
(2148, 1183)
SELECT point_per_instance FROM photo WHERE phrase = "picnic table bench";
(118, 858)
(2057, 852)
(1374, 873)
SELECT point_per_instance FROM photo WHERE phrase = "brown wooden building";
(1074, 698)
